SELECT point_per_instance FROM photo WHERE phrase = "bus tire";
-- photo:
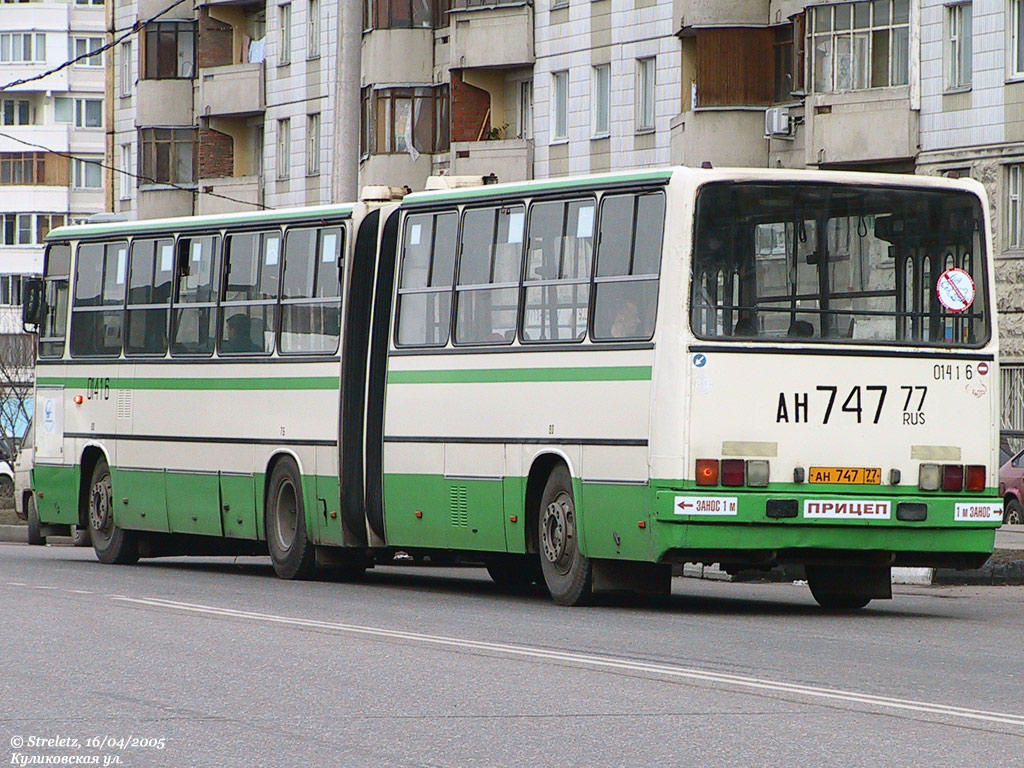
(35, 538)
(113, 545)
(840, 588)
(568, 574)
(291, 551)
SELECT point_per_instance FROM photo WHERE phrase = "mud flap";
(624, 576)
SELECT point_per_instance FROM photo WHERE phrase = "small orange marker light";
(79, 399)
(418, 514)
(513, 518)
(641, 524)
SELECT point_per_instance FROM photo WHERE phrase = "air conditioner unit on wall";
(776, 122)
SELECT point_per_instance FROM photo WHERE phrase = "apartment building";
(51, 132)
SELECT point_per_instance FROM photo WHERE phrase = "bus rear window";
(829, 262)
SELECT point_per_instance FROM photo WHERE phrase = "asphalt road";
(207, 662)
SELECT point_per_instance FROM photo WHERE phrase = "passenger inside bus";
(239, 335)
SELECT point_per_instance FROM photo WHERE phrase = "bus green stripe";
(502, 375)
(204, 383)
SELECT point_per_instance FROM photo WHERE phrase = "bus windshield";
(794, 262)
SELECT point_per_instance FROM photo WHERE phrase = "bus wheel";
(113, 545)
(35, 538)
(842, 588)
(1012, 513)
(291, 551)
(567, 573)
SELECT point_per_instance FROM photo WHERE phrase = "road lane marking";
(599, 662)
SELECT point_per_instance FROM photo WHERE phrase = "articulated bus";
(577, 382)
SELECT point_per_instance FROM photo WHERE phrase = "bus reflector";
(757, 473)
(929, 476)
(733, 472)
(707, 471)
(952, 477)
(975, 478)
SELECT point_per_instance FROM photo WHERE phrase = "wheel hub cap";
(558, 530)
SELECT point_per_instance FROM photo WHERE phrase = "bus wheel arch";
(87, 464)
(113, 545)
(292, 551)
(543, 465)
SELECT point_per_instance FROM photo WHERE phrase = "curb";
(16, 533)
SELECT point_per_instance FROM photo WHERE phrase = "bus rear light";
(707, 471)
(975, 478)
(929, 477)
(952, 477)
(757, 473)
(733, 473)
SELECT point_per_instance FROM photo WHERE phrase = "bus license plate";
(846, 475)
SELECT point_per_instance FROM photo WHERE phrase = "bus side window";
(97, 313)
(311, 291)
(151, 266)
(58, 270)
(487, 289)
(193, 320)
(425, 284)
(628, 265)
(248, 310)
(557, 281)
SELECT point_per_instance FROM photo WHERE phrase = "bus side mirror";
(33, 302)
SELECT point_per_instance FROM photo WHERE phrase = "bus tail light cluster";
(951, 477)
(733, 473)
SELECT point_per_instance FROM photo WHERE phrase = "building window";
(411, 120)
(789, 58)
(601, 90)
(559, 105)
(859, 45)
(1017, 38)
(88, 2)
(126, 69)
(409, 14)
(284, 139)
(1014, 209)
(524, 115)
(10, 289)
(87, 174)
(313, 145)
(17, 112)
(645, 94)
(22, 168)
(284, 39)
(18, 47)
(313, 41)
(84, 113)
(27, 228)
(959, 46)
(89, 47)
(170, 52)
(126, 175)
(167, 155)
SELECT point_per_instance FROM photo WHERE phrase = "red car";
(1011, 488)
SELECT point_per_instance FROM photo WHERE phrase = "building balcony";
(55, 137)
(415, 64)
(843, 128)
(719, 13)
(509, 160)
(246, 193)
(157, 201)
(21, 198)
(723, 136)
(163, 102)
(491, 33)
(397, 170)
(235, 89)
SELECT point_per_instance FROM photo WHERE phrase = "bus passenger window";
(425, 287)
(98, 311)
(557, 282)
(151, 267)
(487, 290)
(195, 312)
(628, 264)
(311, 291)
(54, 326)
(248, 310)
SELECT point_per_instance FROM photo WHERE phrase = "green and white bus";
(581, 382)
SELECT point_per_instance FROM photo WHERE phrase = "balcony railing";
(236, 89)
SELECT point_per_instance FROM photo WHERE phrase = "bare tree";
(17, 360)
